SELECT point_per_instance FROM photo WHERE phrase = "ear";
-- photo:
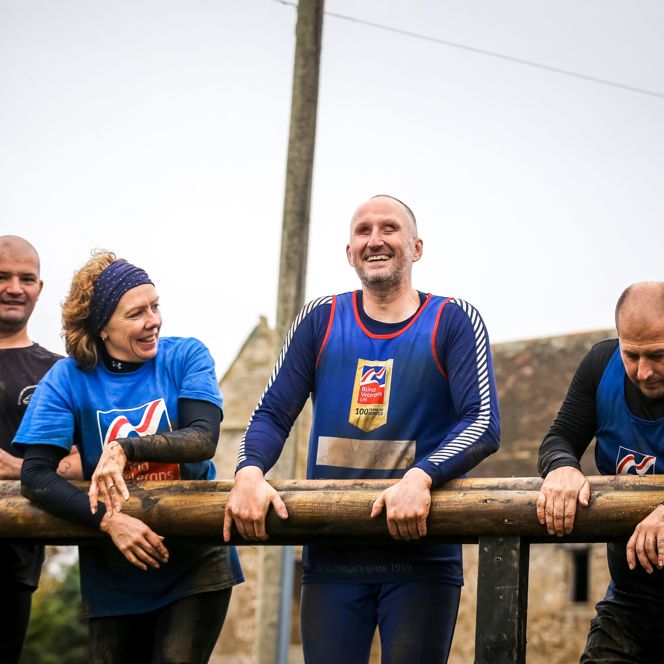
(417, 249)
(349, 256)
(41, 287)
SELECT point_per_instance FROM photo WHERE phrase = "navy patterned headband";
(113, 282)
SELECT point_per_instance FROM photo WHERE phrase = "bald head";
(391, 204)
(384, 245)
(12, 246)
(640, 324)
(642, 302)
(406, 208)
(20, 287)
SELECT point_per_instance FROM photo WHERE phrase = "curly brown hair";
(80, 341)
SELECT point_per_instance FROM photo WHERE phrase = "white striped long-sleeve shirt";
(462, 347)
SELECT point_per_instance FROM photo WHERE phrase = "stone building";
(565, 579)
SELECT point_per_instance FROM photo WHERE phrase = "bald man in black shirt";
(22, 364)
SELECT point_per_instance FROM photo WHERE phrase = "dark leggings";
(415, 621)
(626, 630)
(16, 601)
(183, 632)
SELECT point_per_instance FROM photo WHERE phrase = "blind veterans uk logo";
(630, 462)
(145, 420)
(372, 385)
(371, 394)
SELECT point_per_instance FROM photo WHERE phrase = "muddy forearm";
(182, 446)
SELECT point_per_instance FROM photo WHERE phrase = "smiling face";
(132, 333)
(20, 284)
(383, 244)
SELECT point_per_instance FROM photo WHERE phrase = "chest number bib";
(371, 394)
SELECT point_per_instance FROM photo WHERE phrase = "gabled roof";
(245, 380)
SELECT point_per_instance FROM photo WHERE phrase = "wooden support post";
(502, 600)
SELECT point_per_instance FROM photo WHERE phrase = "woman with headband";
(139, 407)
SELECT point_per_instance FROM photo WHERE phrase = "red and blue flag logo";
(372, 384)
(150, 418)
(630, 462)
(145, 420)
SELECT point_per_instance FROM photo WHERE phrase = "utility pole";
(275, 570)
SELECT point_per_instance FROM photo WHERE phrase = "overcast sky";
(159, 129)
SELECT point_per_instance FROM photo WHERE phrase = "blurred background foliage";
(56, 633)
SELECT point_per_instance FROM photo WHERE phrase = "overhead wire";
(485, 52)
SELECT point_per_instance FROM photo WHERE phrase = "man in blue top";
(617, 397)
(402, 387)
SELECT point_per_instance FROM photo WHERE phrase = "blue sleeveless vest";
(381, 402)
(625, 444)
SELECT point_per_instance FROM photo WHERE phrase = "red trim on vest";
(386, 336)
(329, 329)
(433, 339)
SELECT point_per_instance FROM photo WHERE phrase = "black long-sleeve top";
(576, 423)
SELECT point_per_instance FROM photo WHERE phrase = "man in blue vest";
(402, 387)
(617, 397)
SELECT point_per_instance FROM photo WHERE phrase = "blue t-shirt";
(91, 408)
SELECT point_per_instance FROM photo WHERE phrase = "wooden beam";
(338, 511)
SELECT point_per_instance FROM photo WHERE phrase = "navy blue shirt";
(387, 397)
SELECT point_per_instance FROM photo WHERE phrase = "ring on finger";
(110, 485)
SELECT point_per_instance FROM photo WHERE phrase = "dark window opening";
(581, 572)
